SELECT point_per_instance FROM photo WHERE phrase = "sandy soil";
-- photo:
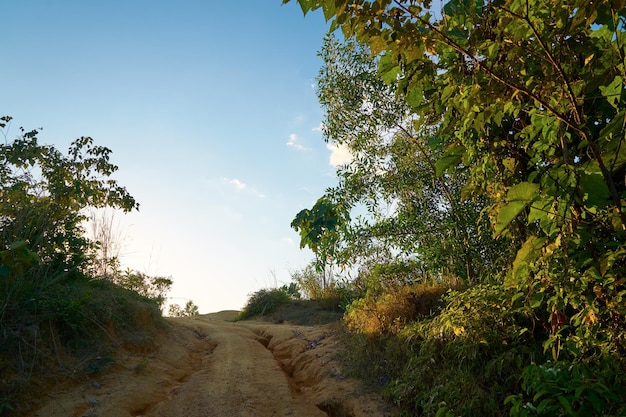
(208, 366)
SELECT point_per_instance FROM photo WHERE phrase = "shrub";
(392, 309)
(190, 310)
(336, 294)
(152, 287)
(265, 302)
(61, 319)
(464, 359)
(571, 389)
(309, 281)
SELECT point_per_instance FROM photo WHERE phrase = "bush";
(190, 310)
(309, 281)
(464, 359)
(265, 302)
(333, 295)
(572, 389)
(59, 321)
(152, 287)
(392, 309)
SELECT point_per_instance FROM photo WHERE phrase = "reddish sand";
(208, 366)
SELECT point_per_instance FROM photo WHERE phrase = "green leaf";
(539, 210)
(613, 91)
(450, 158)
(594, 188)
(536, 300)
(328, 8)
(526, 254)
(543, 404)
(517, 296)
(414, 97)
(20, 244)
(519, 197)
(611, 142)
(388, 68)
(540, 394)
(305, 5)
(377, 44)
(566, 405)
(595, 402)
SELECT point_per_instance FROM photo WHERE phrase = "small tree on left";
(47, 296)
(43, 195)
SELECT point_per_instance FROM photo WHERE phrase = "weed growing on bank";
(479, 354)
(59, 322)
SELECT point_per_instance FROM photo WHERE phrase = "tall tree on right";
(413, 211)
(530, 96)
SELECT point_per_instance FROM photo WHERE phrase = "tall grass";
(52, 321)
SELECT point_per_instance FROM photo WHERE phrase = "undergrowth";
(61, 327)
(479, 354)
(285, 304)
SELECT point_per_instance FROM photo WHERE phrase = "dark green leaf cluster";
(570, 389)
(320, 229)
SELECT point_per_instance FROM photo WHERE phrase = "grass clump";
(389, 311)
(265, 302)
(61, 326)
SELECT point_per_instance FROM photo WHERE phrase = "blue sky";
(211, 113)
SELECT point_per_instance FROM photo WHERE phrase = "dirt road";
(207, 367)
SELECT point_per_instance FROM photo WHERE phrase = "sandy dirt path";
(207, 367)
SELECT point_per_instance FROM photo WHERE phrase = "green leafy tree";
(413, 208)
(50, 306)
(320, 229)
(190, 310)
(530, 94)
(43, 195)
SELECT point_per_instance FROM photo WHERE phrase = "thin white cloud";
(318, 128)
(287, 240)
(293, 142)
(240, 186)
(236, 183)
(339, 154)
